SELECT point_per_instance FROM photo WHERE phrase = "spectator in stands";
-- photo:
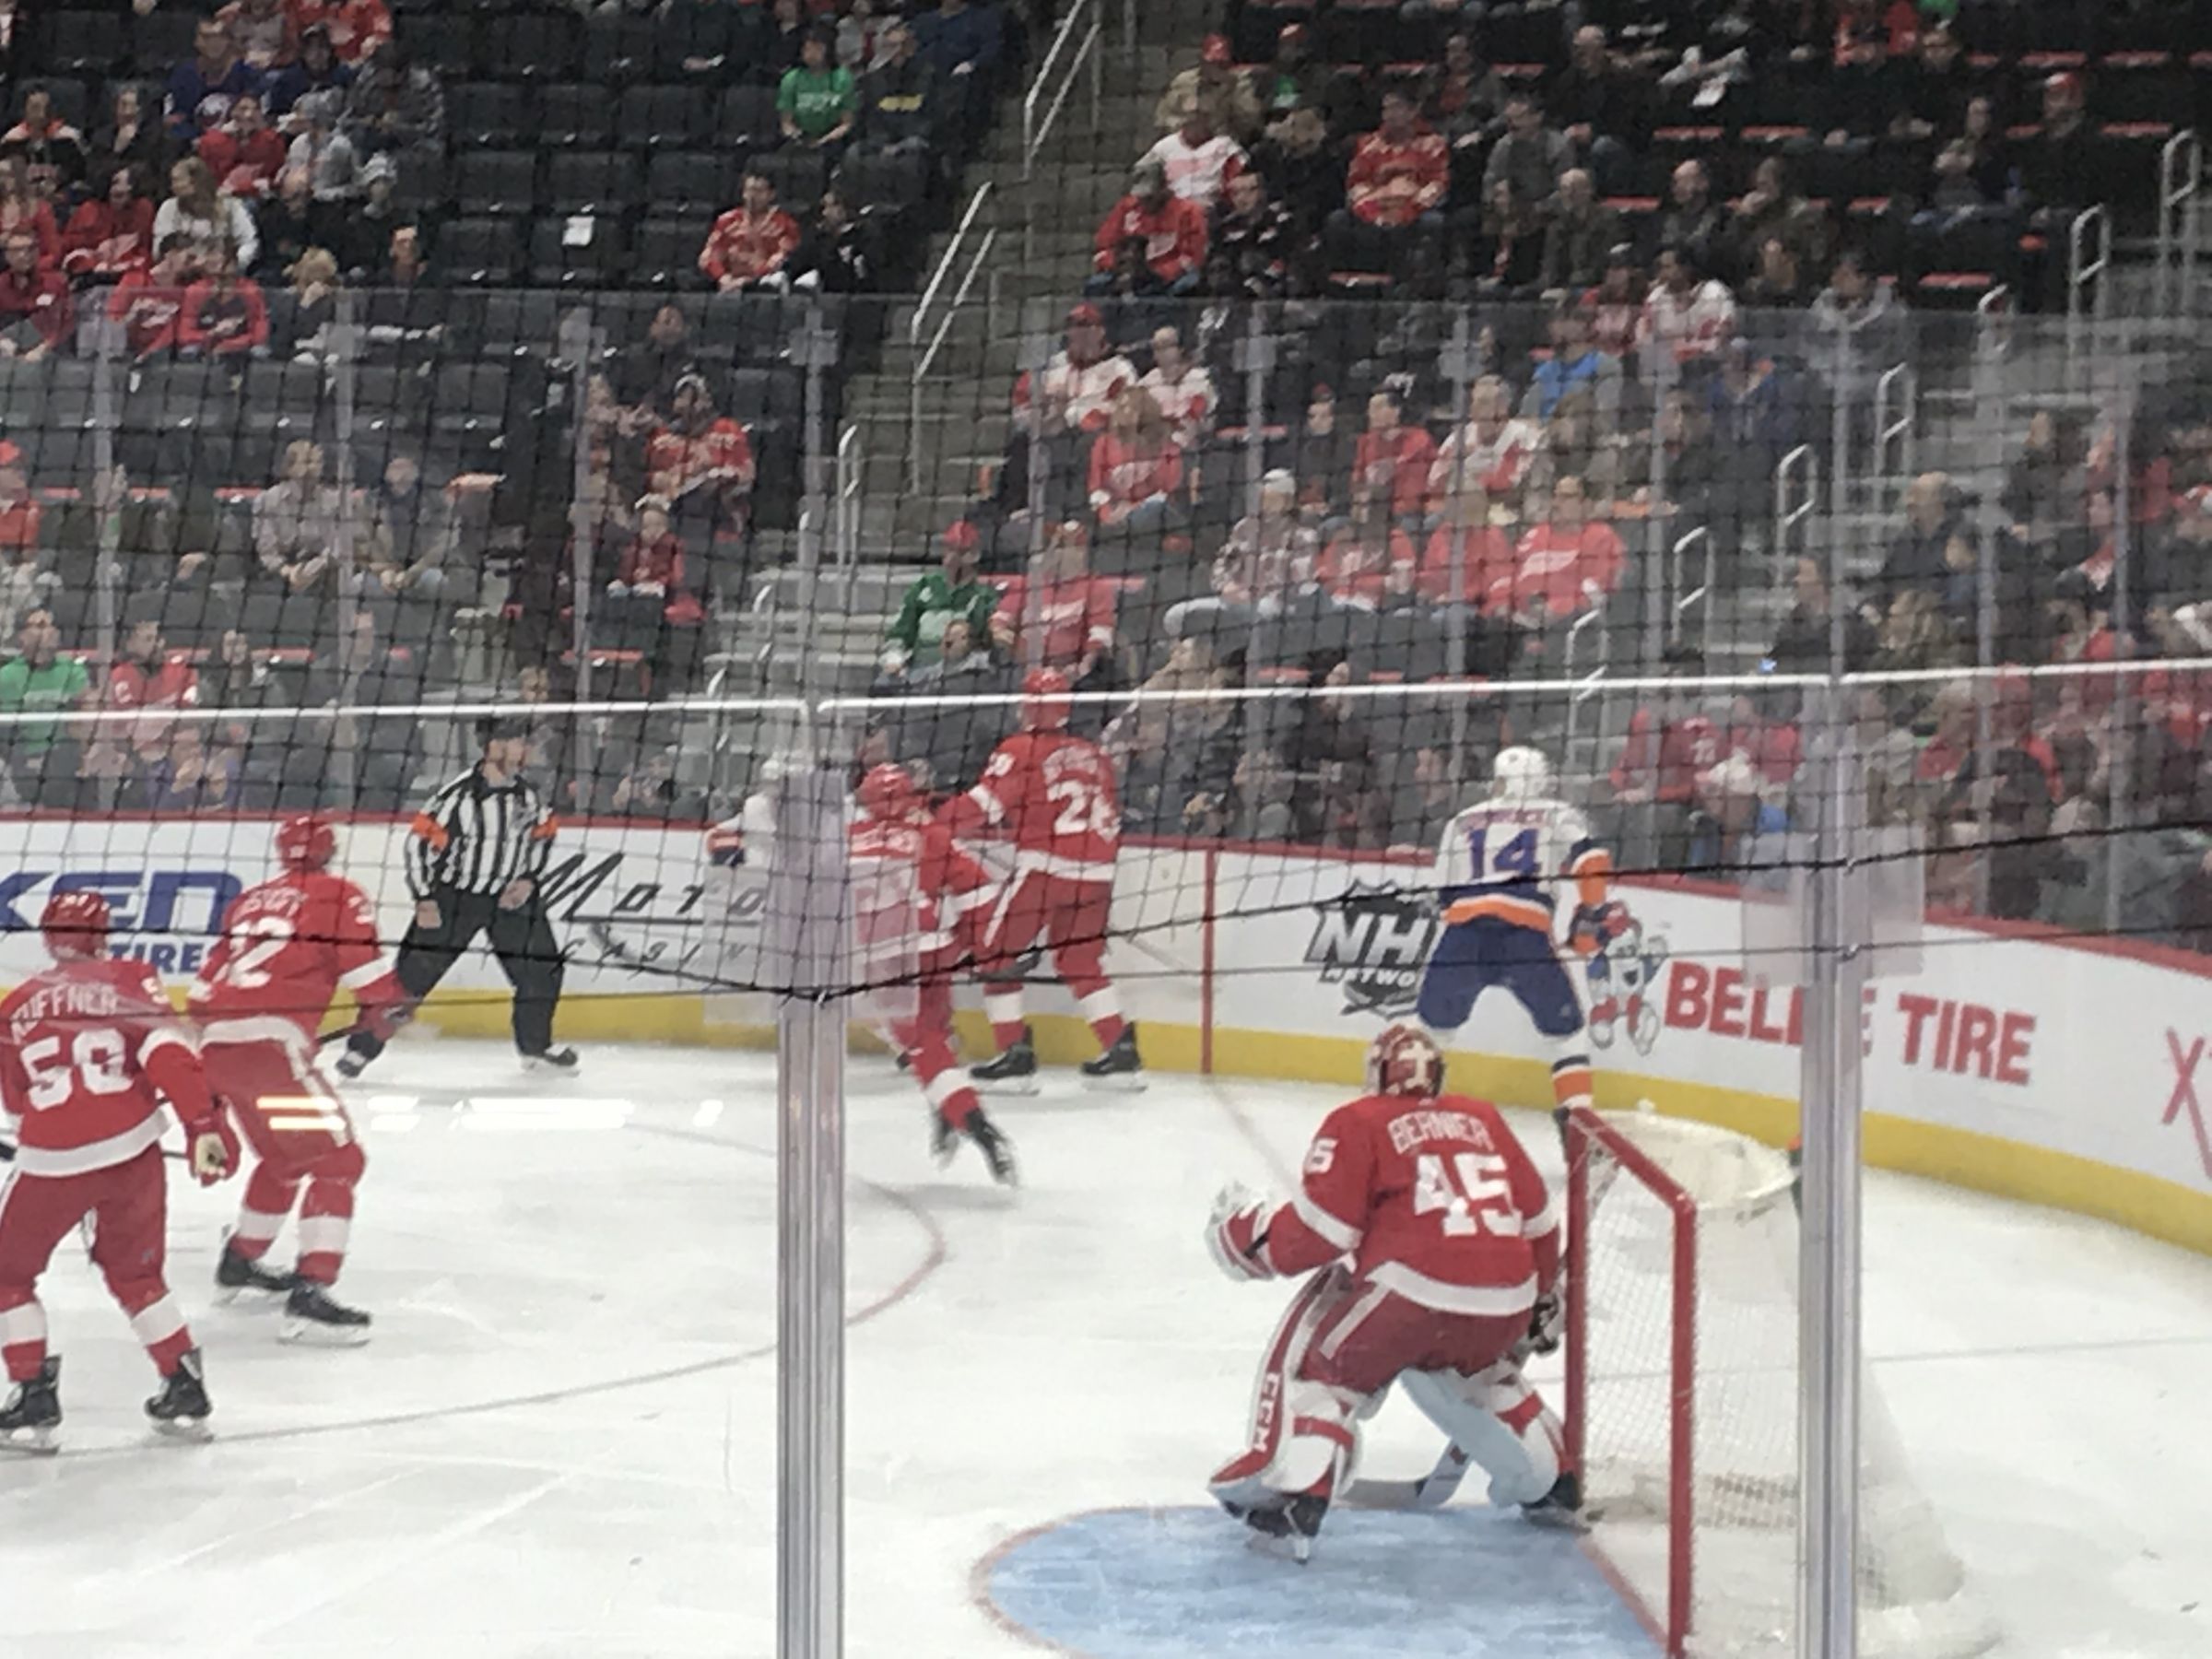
(1301, 170)
(1466, 538)
(1574, 363)
(1323, 458)
(1331, 749)
(1081, 382)
(1564, 563)
(298, 526)
(1860, 316)
(21, 208)
(396, 104)
(1393, 461)
(265, 32)
(1370, 564)
(1915, 558)
(1182, 388)
(1615, 306)
(1692, 221)
(1914, 637)
(1804, 644)
(188, 775)
(1599, 101)
(750, 244)
(1396, 187)
(147, 303)
(1929, 91)
(700, 458)
(900, 97)
(1072, 614)
(286, 221)
(1687, 315)
(224, 314)
(1163, 746)
(648, 790)
(356, 28)
(1777, 281)
(935, 600)
(817, 101)
(201, 88)
(322, 152)
(645, 375)
(648, 597)
(402, 264)
(2059, 174)
(42, 757)
(1465, 97)
(37, 314)
(1730, 812)
(1170, 231)
(956, 742)
(1508, 254)
(1134, 479)
(1993, 170)
(407, 551)
(964, 41)
(1288, 81)
(245, 152)
(1490, 452)
(361, 237)
(1268, 554)
(1583, 443)
(862, 44)
(1578, 235)
(25, 583)
(112, 232)
(353, 668)
(837, 252)
(1251, 241)
(44, 139)
(1530, 156)
(1198, 161)
(1216, 89)
(128, 137)
(147, 679)
(198, 210)
(317, 69)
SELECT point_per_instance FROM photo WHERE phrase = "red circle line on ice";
(937, 1252)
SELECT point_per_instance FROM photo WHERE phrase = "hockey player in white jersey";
(1499, 876)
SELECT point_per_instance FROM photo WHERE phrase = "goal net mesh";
(1689, 1401)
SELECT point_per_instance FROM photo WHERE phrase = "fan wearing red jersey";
(1053, 794)
(918, 903)
(285, 948)
(89, 1052)
(1434, 1250)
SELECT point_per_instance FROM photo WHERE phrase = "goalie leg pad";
(1242, 1480)
(1497, 1419)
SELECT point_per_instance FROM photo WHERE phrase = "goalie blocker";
(1432, 1248)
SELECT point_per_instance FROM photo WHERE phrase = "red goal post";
(1588, 1130)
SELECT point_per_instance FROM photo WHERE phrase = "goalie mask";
(1520, 774)
(1404, 1060)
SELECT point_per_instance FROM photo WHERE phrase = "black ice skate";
(33, 1412)
(1119, 1066)
(182, 1407)
(1560, 1507)
(311, 1317)
(1014, 1072)
(236, 1272)
(556, 1062)
(944, 1139)
(998, 1153)
(352, 1063)
(1295, 1523)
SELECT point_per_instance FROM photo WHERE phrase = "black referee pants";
(523, 940)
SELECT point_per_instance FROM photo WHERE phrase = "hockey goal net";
(1682, 1396)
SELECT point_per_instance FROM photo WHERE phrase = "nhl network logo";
(1374, 942)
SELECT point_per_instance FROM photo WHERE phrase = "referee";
(476, 855)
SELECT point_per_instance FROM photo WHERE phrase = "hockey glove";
(212, 1148)
(1236, 1234)
(1546, 1321)
(1598, 926)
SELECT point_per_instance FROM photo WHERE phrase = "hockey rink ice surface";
(561, 1444)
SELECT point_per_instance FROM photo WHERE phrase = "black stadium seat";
(532, 46)
(666, 252)
(495, 181)
(593, 183)
(161, 39)
(574, 115)
(617, 47)
(483, 115)
(659, 117)
(85, 43)
(689, 182)
(745, 119)
(799, 176)
(445, 43)
(575, 250)
(478, 253)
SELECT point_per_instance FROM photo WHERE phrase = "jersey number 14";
(1512, 859)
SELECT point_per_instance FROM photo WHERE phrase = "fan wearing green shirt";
(41, 754)
(935, 599)
(818, 100)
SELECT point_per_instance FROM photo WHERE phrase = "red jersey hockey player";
(1052, 793)
(930, 900)
(89, 1051)
(287, 946)
(1439, 1254)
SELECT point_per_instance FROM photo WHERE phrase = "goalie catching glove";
(1236, 1233)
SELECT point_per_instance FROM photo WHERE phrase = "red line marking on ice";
(1618, 1582)
(979, 1576)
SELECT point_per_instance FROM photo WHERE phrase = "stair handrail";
(919, 322)
(1894, 434)
(845, 550)
(1052, 95)
(1801, 466)
(2082, 269)
(1700, 595)
(2181, 180)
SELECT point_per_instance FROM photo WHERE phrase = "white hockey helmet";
(1522, 774)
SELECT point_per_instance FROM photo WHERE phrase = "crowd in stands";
(1678, 275)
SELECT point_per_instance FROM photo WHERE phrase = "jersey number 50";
(1470, 1191)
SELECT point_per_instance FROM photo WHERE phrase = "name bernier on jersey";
(1411, 1129)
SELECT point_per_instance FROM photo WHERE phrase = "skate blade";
(1119, 1083)
(1552, 1518)
(310, 1332)
(535, 1067)
(30, 1442)
(1298, 1551)
(190, 1431)
(1005, 1085)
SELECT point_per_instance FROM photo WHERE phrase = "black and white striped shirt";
(474, 836)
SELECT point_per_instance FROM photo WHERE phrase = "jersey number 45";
(1469, 1190)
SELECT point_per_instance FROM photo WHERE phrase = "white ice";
(561, 1441)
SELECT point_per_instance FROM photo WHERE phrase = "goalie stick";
(1431, 1491)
